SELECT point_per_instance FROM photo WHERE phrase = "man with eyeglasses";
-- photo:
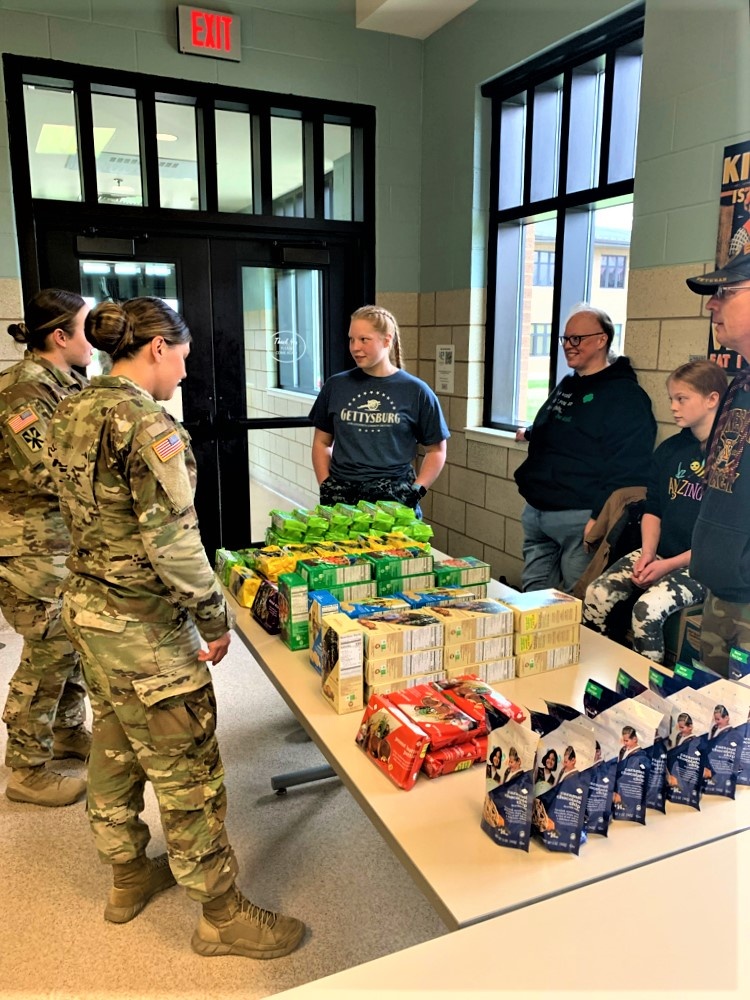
(720, 554)
(594, 435)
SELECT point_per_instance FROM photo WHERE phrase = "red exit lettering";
(211, 31)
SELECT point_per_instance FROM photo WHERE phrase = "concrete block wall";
(11, 311)
(474, 506)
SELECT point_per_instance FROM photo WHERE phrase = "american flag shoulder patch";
(22, 420)
(168, 446)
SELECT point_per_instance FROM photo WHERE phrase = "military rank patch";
(166, 447)
(23, 420)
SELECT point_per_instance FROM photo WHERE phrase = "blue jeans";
(553, 553)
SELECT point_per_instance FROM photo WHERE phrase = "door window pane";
(178, 160)
(52, 140)
(234, 167)
(287, 173)
(337, 153)
(118, 163)
(281, 474)
(117, 280)
(283, 319)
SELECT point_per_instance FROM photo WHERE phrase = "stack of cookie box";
(478, 639)
(546, 630)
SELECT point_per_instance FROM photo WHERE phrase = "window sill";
(490, 436)
(302, 397)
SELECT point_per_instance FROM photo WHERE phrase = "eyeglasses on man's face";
(727, 291)
(575, 338)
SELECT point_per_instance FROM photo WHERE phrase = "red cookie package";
(470, 694)
(392, 741)
(443, 721)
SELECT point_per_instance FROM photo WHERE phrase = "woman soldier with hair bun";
(370, 420)
(45, 709)
(140, 596)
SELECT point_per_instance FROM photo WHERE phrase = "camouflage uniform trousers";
(723, 625)
(46, 693)
(651, 609)
(333, 491)
(154, 714)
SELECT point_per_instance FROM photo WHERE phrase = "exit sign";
(208, 33)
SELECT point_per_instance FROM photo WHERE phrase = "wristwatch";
(420, 490)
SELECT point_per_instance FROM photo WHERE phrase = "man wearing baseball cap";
(720, 557)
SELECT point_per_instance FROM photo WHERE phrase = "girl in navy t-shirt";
(656, 575)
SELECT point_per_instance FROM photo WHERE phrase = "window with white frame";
(540, 334)
(612, 270)
(544, 267)
(562, 169)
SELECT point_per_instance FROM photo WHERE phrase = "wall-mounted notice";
(444, 368)
(734, 233)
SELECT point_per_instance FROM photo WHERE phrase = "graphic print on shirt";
(688, 483)
(560, 404)
(370, 412)
(731, 444)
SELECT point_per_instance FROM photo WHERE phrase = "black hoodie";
(594, 434)
(720, 557)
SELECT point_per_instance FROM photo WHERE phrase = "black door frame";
(210, 293)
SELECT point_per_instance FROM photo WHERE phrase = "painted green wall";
(480, 44)
(695, 69)
(306, 47)
(432, 125)
(694, 103)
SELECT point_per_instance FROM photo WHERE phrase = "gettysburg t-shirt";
(377, 423)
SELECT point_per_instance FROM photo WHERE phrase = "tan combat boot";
(71, 743)
(41, 787)
(134, 884)
(232, 925)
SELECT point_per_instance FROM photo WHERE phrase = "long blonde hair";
(385, 323)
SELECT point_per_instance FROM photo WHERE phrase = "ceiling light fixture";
(166, 137)
(121, 189)
(63, 139)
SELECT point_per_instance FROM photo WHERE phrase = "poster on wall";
(734, 232)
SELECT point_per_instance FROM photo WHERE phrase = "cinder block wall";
(474, 507)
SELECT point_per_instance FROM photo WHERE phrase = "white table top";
(671, 928)
(435, 827)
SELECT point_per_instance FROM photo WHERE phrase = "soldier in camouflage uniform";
(140, 596)
(45, 709)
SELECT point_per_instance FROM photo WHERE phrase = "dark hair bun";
(19, 332)
(109, 328)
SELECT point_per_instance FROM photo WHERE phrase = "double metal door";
(269, 323)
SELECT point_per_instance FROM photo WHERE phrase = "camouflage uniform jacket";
(30, 519)
(125, 475)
